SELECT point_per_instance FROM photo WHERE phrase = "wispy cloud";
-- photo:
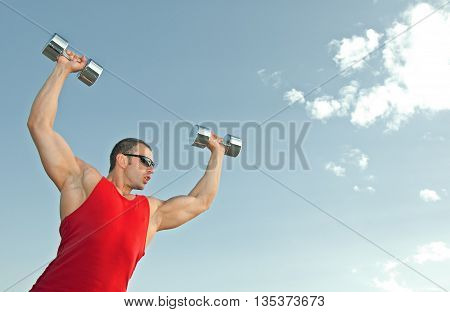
(432, 252)
(337, 170)
(356, 157)
(271, 79)
(389, 275)
(430, 137)
(391, 284)
(351, 158)
(369, 189)
(370, 177)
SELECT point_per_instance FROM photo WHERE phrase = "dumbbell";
(200, 136)
(58, 45)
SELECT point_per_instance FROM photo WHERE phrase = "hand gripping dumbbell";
(200, 136)
(57, 46)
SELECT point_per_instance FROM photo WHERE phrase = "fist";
(215, 144)
(75, 64)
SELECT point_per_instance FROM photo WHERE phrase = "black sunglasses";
(147, 162)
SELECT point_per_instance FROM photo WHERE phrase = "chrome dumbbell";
(200, 136)
(58, 45)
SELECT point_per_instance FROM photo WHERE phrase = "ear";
(121, 161)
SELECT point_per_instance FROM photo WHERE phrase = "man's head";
(130, 158)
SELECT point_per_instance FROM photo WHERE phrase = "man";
(104, 228)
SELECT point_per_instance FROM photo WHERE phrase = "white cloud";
(372, 104)
(294, 96)
(428, 195)
(351, 50)
(272, 79)
(431, 252)
(356, 157)
(347, 96)
(435, 251)
(352, 157)
(391, 284)
(368, 189)
(390, 269)
(363, 162)
(325, 107)
(337, 170)
(418, 68)
(416, 65)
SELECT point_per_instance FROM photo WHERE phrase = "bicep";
(179, 210)
(56, 156)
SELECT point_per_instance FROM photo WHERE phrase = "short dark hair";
(124, 146)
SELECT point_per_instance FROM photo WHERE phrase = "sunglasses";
(147, 162)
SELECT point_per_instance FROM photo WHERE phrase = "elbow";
(206, 203)
(205, 207)
(202, 203)
(34, 125)
(30, 124)
(31, 127)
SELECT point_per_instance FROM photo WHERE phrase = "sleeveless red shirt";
(101, 243)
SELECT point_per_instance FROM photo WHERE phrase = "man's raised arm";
(56, 155)
(180, 209)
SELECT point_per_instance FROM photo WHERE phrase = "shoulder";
(86, 168)
(89, 176)
(82, 164)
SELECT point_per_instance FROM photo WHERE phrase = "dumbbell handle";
(64, 53)
(200, 136)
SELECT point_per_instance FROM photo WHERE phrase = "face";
(138, 174)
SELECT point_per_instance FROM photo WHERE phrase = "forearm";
(45, 105)
(207, 186)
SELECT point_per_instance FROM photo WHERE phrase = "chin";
(139, 187)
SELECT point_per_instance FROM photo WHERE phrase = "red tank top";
(101, 243)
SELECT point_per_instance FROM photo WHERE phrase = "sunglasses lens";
(146, 162)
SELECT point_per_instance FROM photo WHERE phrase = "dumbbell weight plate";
(199, 136)
(90, 73)
(55, 47)
(233, 145)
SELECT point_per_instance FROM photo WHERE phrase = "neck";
(120, 183)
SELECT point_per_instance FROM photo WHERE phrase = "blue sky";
(377, 146)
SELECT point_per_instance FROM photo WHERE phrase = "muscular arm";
(180, 209)
(56, 155)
